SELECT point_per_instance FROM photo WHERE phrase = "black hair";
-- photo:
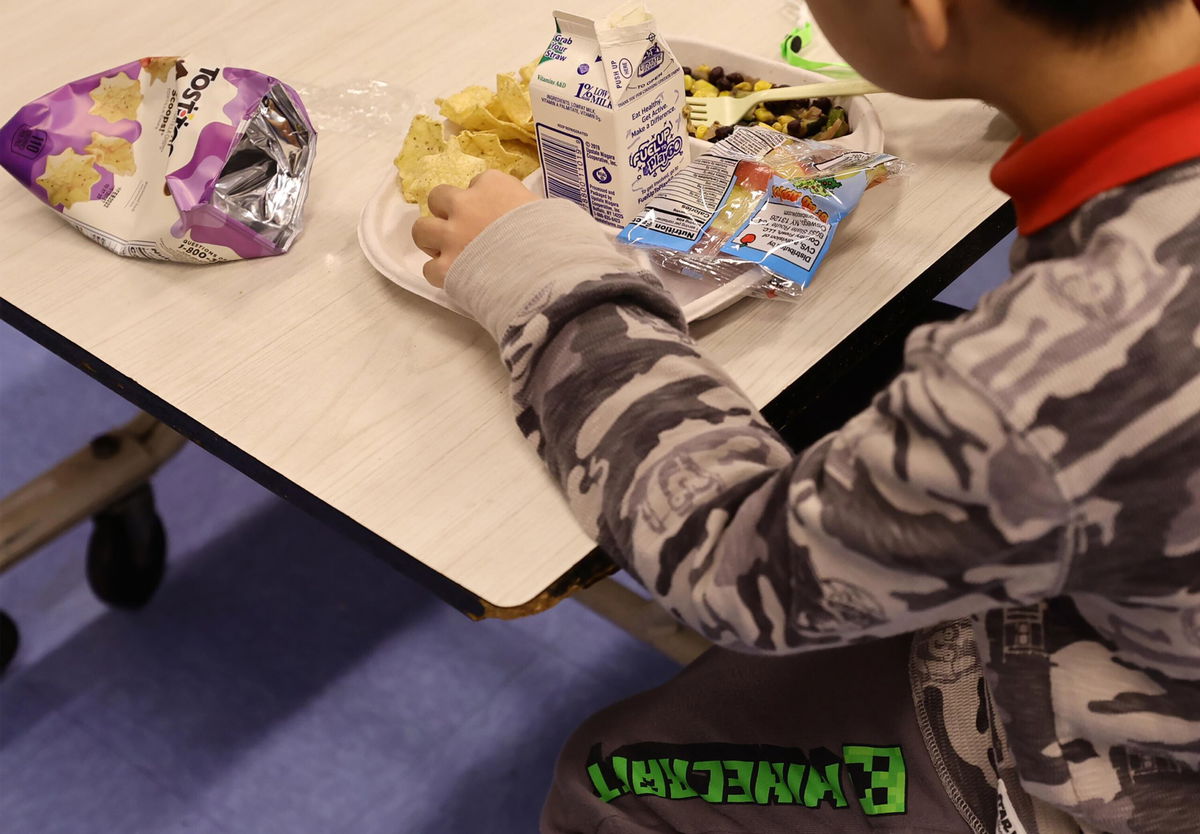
(1089, 19)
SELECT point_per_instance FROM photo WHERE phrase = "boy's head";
(1086, 21)
(949, 48)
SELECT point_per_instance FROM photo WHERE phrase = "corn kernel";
(762, 114)
(688, 83)
(727, 92)
(759, 86)
(702, 89)
(785, 119)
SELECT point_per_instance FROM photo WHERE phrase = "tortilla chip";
(503, 128)
(514, 98)
(511, 156)
(459, 107)
(69, 178)
(450, 167)
(160, 69)
(425, 137)
(113, 153)
(529, 157)
(117, 97)
(487, 147)
(485, 119)
(526, 72)
(496, 132)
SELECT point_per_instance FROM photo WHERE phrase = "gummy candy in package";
(757, 200)
(170, 158)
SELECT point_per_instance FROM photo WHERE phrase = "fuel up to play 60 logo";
(655, 154)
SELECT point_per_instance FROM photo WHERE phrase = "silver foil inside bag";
(264, 184)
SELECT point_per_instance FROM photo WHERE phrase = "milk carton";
(608, 105)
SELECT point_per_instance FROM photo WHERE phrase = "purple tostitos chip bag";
(169, 158)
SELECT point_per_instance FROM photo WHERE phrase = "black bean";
(797, 129)
(721, 83)
(779, 107)
(715, 74)
(721, 133)
(823, 103)
(688, 71)
(813, 128)
(735, 77)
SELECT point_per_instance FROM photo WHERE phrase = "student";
(1025, 496)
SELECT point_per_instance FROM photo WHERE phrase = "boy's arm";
(923, 508)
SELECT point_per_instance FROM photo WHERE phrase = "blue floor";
(282, 680)
(988, 272)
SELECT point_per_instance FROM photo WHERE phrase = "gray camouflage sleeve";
(923, 508)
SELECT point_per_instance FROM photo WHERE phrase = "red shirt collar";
(1130, 137)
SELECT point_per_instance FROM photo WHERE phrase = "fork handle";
(829, 89)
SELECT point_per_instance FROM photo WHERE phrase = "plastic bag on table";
(757, 200)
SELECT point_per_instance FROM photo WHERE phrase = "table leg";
(645, 619)
(109, 481)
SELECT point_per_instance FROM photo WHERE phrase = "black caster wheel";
(10, 638)
(127, 552)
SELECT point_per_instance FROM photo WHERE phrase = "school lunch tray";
(385, 225)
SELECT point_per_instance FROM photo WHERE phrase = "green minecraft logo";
(759, 774)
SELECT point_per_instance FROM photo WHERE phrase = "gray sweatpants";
(817, 743)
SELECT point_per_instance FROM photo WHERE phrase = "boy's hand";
(459, 215)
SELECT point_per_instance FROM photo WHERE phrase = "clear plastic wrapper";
(757, 200)
(363, 107)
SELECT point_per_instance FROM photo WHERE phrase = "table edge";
(901, 312)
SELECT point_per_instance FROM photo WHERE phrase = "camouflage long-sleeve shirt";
(1035, 467)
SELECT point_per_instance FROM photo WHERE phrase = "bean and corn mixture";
(817, 118)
